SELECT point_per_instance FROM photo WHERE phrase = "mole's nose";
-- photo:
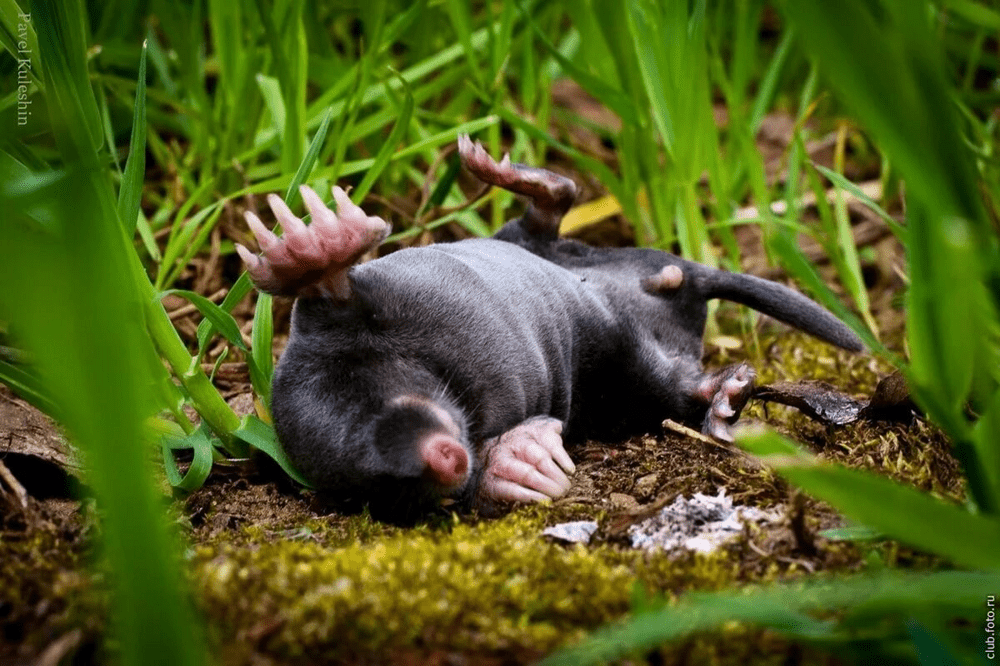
(446, 461)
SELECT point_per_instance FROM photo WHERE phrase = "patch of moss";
(795, 356)
(473, 587)
(45, 592)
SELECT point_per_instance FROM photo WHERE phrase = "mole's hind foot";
(528, 463)
(551, 195)
(727, 392)
(312, 260)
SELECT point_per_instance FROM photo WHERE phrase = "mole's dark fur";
(467, 341)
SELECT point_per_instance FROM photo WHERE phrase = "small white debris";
(702, 523)
(576, 532)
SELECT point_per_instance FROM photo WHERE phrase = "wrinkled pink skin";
(528, 463)
(312, 260)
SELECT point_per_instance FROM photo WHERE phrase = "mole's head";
(420, 456)
(382, 436)
(424, 438)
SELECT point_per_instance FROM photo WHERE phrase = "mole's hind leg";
(312, 260)
(550, 194)
(726, 392)
(527, 463)
(682, 391)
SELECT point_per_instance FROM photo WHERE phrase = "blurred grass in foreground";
(65, 264)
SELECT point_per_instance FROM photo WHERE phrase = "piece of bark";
(817, 400)
(820, 401)
(33, 450)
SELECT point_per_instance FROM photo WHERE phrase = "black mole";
(459, 370)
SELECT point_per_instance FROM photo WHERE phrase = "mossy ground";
(282, 579)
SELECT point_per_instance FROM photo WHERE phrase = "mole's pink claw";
(528, 463)
(727, 392)
(312, 260)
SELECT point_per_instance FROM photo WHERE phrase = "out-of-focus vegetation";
(131, 129)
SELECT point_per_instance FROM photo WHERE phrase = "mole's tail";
(778, 301)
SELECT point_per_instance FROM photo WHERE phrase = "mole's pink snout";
(446, 461)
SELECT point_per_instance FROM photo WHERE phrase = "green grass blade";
(769, 84)
(952, 341)
(974, 13)
(986, 438)
(261, 436)
(929, 647)
(386, 151)
(846, 38)
(17, 35)
(614, 98)
(358, 166)
(645, 22)
(29, 387)
(221, 320)
(236, 293)
(309, 161)
(186, 238)
(261, 357)
(201, 464)
(951, 596)
(94, 364)
(843, 183)
(798, 264)
(849, 263)
(225, 20)
(293, 141)
(374, 92)
(130, 195)
(270, 90)
(899, 511)
(61, 44)
(461, 22)
(96, 360)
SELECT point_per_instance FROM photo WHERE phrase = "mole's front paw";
(727, 392)
(528, 463)
(312, 260)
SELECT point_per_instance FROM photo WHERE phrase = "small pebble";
(576, 532)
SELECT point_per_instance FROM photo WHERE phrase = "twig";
(694, 434)
(14, 485)
(59, 648)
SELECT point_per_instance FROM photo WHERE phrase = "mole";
(461, 371)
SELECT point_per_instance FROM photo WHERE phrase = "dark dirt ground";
(283, 578)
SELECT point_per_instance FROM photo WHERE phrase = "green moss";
(486, 586)
(45, 591)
